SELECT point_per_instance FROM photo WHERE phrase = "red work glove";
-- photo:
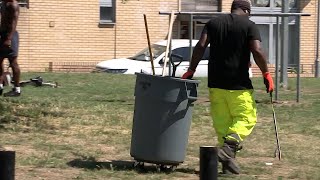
(268, 81)
(188, 74)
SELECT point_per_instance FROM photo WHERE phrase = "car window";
(184, 53)
(206, 54)
(144, 55)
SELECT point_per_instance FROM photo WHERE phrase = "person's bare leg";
(1, 75)
(15, 76)
(15, 71)
(1, 69)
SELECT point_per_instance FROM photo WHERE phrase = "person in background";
(9, 44)
(232, 38)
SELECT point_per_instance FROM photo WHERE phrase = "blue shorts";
(12, 51)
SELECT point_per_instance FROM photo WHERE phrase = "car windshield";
(144, 55)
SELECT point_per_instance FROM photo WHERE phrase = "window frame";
(272, 6)
(197, 5)
(23, 3)
(184, 52)
(271, 22)
(113, 18)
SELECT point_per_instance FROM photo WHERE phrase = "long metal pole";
(298, 56)
(284, 45)
(277, 59)
(317, 66)
(273, 14)
(278, 148)
(190, 35)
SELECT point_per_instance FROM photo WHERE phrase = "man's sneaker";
(227, 155)
(12, 93)
(1, 90)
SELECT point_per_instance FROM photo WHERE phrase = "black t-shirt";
(229, 51)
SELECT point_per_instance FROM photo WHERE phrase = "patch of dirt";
(303, 140)
(203, 100)
(32, 173)
(275, 167)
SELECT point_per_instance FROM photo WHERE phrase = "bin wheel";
(173, 168)
(160, 167)
(138, 164)
(165, 168)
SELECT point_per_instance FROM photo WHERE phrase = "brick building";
(75, 35)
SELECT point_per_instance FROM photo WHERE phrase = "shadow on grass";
(126, 102)
(2, 127)
(7, 119)
(110, 100)
(119, 165)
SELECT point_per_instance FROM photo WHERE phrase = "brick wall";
(226, 5)
(67, 31)
(61, 32)
(308, 31)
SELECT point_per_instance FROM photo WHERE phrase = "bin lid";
(171, 78)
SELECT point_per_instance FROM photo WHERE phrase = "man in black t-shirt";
(232, 38)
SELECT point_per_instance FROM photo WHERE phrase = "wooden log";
(166, 58)
(7, 165)
(149, 44)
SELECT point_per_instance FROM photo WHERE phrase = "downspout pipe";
(284, 45)
(317, 66)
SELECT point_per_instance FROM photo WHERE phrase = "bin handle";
(191, 98)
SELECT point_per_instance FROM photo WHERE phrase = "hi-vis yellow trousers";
(233, 112)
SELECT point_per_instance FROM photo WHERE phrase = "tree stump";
(7, 164)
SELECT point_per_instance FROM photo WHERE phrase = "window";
(264, 33)
(260, 3)
(293, 30)
(107, 11)
(267, 27)
(201, 5)
(268, 37)
(144, 55)
(24, 3)
(271, 3)
(206, 54)
(184, 52)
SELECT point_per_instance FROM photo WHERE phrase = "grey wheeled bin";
(162, 119)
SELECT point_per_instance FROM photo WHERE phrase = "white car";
(141, 61)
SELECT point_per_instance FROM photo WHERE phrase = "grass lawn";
(82, 130)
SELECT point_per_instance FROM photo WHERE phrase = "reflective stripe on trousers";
(233, 112)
